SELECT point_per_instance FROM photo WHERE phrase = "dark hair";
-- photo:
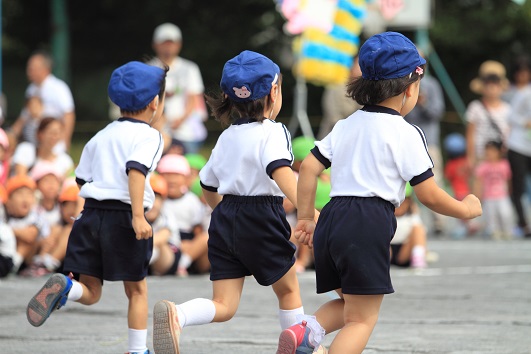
(372, 92)
(45, 122)
(494, 144)
(521, 63)
(160, 64)
(224, 110)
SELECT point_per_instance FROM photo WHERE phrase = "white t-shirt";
(32, 219)
(187, 211)
(404, 225)
(26, 155)
(56, 97)
(123, 144)
(164, 221)
(373, 153)
(182, 80)
(245, 156)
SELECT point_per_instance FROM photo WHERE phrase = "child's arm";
(212, 198)
(137, 181)
(309, 171)
(286, 181)
(26, 234)
(436, 199)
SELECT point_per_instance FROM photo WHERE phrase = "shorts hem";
(278, 276)
(377, 291)
(227, 276)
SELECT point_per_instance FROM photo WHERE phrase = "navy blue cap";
(133, 85)
(248, 76)
(388, 55)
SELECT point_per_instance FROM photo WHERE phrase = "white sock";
(418, 251)
(137, 340)
(50, 262)
(196, 312)
(288, 318)
(185, 261)
(154, 255)
(75, 291)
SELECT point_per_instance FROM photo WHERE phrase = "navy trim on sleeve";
(276, 164)
(208, 188)
(80, 181)
(156, 152)
(424, 141)
(288, 139)
(136, 166)
(326, 162)
(422, 177)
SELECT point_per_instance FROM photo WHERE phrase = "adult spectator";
(335, 103)
(185, 109)
(427, 115)
(519, 141)
(55, 95)
(27, 155)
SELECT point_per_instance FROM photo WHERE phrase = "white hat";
(167, 32)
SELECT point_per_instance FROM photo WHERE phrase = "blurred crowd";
(490, 157)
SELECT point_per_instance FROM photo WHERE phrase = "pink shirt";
(494, 177)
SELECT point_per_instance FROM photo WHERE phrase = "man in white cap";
(185, 106)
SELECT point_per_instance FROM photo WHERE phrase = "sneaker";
(51, 297)
(294, 340)
(166, 328)
(418, 261)
(146, 352)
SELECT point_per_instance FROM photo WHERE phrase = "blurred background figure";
(408, 246)
(335, 103)
(519, 141)
(25, 127)
(185, 109)
(488, 116)
(427, 115)
(493, 176)
(56, 97)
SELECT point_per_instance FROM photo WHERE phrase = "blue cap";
(388, 55)
(248, 76)
(133, 85)
(455, 144)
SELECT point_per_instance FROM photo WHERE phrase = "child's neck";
(394, 103)
(145, 116)
(491, 101)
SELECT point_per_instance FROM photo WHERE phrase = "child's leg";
(414, 248)
(360, 316)
(137, 315)
(169, 319)
(289, 298)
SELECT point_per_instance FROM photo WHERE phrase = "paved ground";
(475, 299)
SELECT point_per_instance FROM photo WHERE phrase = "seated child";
(29, 228)
(8, 242)
(408, 246)
(187, 210)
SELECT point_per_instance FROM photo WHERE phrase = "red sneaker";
(291, 338)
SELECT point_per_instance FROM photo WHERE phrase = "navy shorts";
(351, 246)
(250, 236)
(102, 244)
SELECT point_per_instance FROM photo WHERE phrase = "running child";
(373, 153)
(111, 238)
(244, 181)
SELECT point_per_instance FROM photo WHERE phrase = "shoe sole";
(45, 301)
(287, 342)
(165, 335)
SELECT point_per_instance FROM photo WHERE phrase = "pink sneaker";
(291, 338)
(418, 261)
(166, 328)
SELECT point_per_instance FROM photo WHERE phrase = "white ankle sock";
(418, 251)
(288, 318)
(196, 312)
(75, 291)
(185, 261)
(137, 340)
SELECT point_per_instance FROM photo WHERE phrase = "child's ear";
(154, 103)
(410, 90)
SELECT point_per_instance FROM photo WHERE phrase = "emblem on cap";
(242, 92)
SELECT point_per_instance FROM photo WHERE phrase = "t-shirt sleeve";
(65, 99)
(25, 154)
(412, 158)
(195, 85)
(84, 168)
(474, 112)
(323, 151)
(146, 153)
(277, 152)
(207, 177)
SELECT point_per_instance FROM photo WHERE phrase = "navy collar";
(380, 109)
(241, 121)
(132, 120)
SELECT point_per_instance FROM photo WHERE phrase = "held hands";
(304, 232)
(474, 206)
(142, 228)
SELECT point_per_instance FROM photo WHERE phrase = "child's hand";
(304, 232)
(474, 206)
(143, 229)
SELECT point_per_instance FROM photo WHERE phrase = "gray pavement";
(475, 299)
